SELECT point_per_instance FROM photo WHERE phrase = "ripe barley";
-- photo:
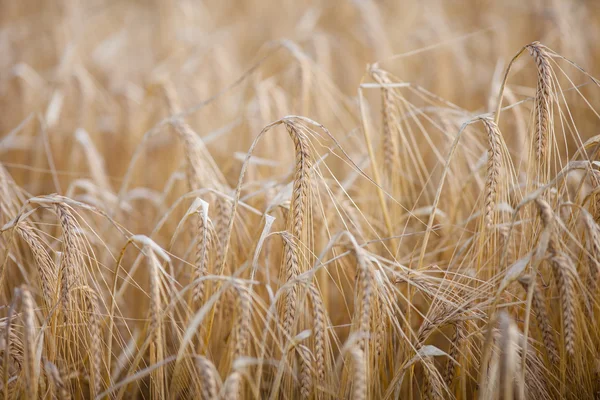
(291, 271)
(232, 386)
(57, 380)
(454, 353)
(365, 280)
(243, 322)
(208, 377)
(432, 386)
(29, 341)
(306, 383)
(593, 247)
(564, 273)
(493, 169)
(203, 248)
(359, 381)
(45, 265)
(95, 357)
(543, 99)
(318, 314)
(389, 142)
(538, 303)
(301, 179)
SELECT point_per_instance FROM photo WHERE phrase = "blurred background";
(99, 65)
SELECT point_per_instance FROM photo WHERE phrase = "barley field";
(343, 199)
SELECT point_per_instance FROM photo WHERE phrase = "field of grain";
(344, 199)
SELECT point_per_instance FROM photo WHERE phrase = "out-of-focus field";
(299, 199)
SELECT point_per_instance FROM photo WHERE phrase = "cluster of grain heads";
(309, 279)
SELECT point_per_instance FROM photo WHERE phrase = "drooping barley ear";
(543, 99)
(70, 261)
(454, 352)
(301, 179)
(564, 273)
(291, 272)
(538, 303)
(493, 168)
(208, 377)
(306, 384)
(242, 323)
(155, 326)
(57, 380)
(27, 308)
(44, 263)
(359, 381)
(203, 247)
(95, 354)
(232, 386)
(319, 331)
(593, 247)
(432, 385)
(439, 315)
